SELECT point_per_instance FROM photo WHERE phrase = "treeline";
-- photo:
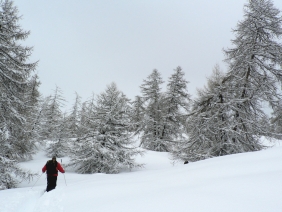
(226, 117)
(98, 135)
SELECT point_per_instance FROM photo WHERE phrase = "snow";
(242, 182)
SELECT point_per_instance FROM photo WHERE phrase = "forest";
(99, 135)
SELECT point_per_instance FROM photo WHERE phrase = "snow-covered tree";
(228, 116)
(40, 120)
(16, 76)
(255, 64)
(208, 124)
(107, 146)
(9, 169)
(137, 115)
(55, 125)
(152, 125)
(175, 106)
(32, 102)
(73, 118)
(85, 114)
(276, 123)
(52, 114)
(59, 146)
(83, 118)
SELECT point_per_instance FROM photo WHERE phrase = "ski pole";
(65, 179)
(36, 181)
(64, 173)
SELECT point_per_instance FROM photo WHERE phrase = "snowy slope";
(243, 182)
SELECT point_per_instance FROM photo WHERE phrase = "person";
(52, 167)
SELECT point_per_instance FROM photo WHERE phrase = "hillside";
(242, 182)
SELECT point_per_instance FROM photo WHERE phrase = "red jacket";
(59, 168)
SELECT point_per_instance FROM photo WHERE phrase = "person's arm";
(44, 169)
(60, 168)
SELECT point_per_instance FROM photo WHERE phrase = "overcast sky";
(82, 46)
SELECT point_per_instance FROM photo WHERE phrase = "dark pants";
(51, 183)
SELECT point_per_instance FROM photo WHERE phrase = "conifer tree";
(9, 168)
(52, 115)
(255, 64)
(74, 119)
(55, 129)
(59, 146)
(228, 116)
(208, 124)
(86, 113)
(175, 106)
(32, 102)
(40, 122)
(152, 125)
(16, 80)
(84, 121)
(276, 124)
(107, 146)
(137, 115)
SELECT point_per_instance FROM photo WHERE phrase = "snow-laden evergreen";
(107, 145)
(175, 107)
(19, 96)
(33, 114)
(160, 116)
(152, 123)
(228, 116)
(9, 169)
(73, 118)
(208, 125)
(276, 123)
(85, 116)
(255, 70)
(137, 114)
(39, 124)
(60, 144)
(54, 125)
(52, 114)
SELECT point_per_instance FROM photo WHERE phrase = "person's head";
(54, 158)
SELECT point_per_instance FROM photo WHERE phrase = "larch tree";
(175, 106)
(15, 103)
(255, 64)
(208, 123)
(107, 147)
(59, 146)
(73, 118)
(276, 124)
(52, 114)
(137, 115)
(85, 114)
(83, 119)
(55, 131)
(152, 125)
(32, 102)
(39, 125)
(228, 116)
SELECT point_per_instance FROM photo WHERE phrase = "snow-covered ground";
(243, 182)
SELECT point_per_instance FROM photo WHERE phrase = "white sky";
(82, 46)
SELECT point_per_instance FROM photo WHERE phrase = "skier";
(52, 167)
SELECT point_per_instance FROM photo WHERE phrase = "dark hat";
(54, 157)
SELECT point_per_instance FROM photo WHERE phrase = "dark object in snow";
(51, 182)
(186, 162)
(52, 167)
